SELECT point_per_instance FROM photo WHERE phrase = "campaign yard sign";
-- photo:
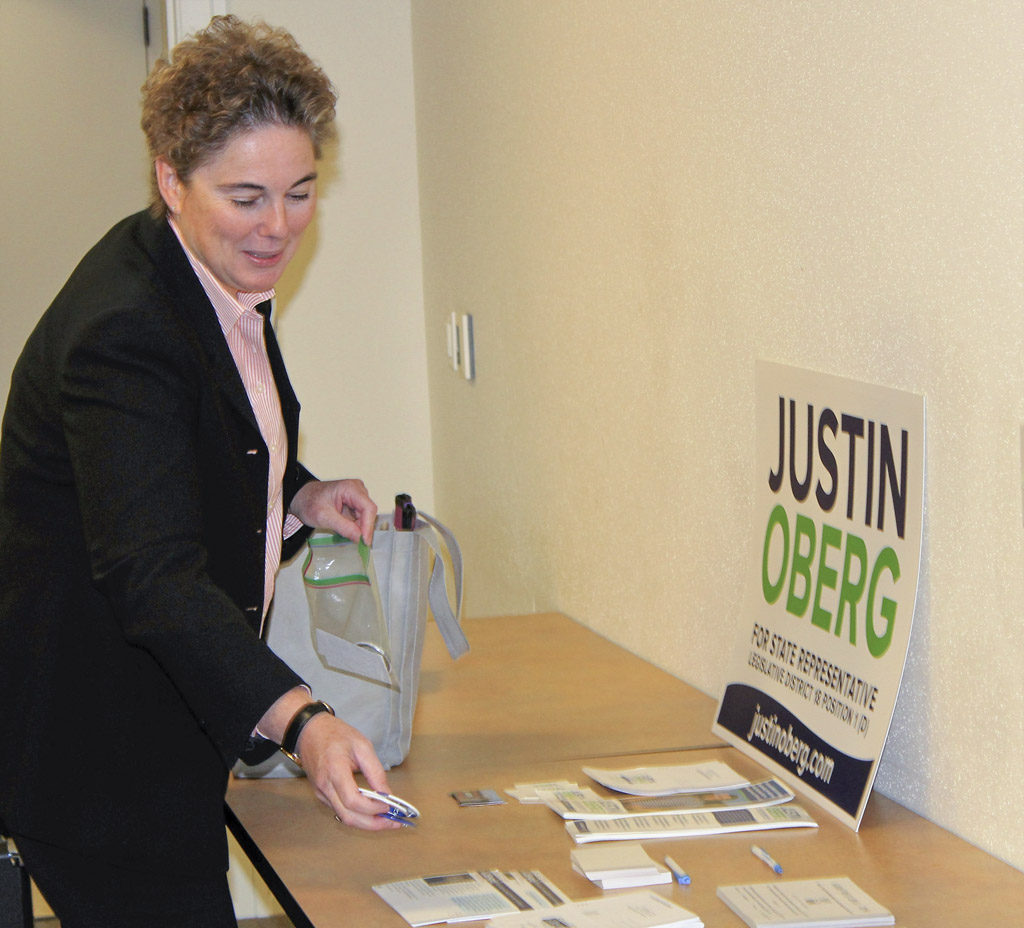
(838, 505)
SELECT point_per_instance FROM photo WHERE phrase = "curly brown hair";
(232, 76)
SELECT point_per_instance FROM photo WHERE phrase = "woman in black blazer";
(148, 488)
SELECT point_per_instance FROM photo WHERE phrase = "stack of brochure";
(644, 909)
(470, 896)
(689, 824)
(618, 866)
(669, 779)
(837, 902)
(675, 802)
(587, 805)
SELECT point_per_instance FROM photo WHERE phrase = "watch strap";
(290, 741)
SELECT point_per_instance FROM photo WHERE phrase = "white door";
(72, 154)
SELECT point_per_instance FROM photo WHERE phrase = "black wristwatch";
(290, 741)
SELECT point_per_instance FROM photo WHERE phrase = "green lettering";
(772, 590)
(850, 591)
(879, 644)
(797, 604)
(831, 537)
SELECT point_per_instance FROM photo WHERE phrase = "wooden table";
(538, 698)
(544, 687)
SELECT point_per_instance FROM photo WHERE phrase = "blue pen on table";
(682, 877)
(761, 854)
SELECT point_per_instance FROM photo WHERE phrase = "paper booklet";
(586, 804)
(668, 780)
(460, 897)
(641, 909)
(689, 824)
(619, 865)
(836, 902)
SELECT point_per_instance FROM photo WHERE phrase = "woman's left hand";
(341, 506)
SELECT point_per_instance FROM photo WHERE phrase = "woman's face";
(243, 212)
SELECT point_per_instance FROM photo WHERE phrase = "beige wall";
(638, 200)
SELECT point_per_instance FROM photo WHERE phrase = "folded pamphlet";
(469, 896)
(836, 902)
(690, 824)
(586, 804)
(669, 779)
(641, 909)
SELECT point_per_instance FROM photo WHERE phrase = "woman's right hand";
(332, 752)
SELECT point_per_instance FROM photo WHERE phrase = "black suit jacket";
(132, 517)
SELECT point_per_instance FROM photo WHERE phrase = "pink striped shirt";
(243, 329)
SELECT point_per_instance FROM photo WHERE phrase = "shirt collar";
(228, 306)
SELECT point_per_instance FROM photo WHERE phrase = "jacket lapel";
(289, 402)
(197, 313)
